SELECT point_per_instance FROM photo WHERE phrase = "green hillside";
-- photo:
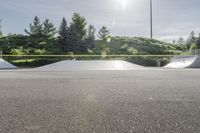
(135, 46)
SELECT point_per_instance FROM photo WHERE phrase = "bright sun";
(126, 4)
(122, 4)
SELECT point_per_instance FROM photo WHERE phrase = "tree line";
(78, 37)
(190, 43)
(74, 37)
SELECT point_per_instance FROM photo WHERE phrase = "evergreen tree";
(191, 40)
(198, 41)
(1, 34)
(103, 33)
(63, 37)
(74, 41)
(48, 29)
(35, 28)
(91, 32)
(90, 38)
(192, 37)
(180, 41)
(79, 25)
(181, 44)
(77, 33)
(174, 42)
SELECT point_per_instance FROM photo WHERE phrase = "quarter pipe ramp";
(184, 62)
(5, 65)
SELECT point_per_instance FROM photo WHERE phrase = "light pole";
(151, 19)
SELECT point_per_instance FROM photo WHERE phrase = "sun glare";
(123, 4)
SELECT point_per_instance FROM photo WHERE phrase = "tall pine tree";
(35, 28)
(90, 38)
(49, 29)
(191, 40)
(1, 34)
(103, 33)
(77, 33)
(79, 25)
(198, 41)
(63, 38)
(180, 41)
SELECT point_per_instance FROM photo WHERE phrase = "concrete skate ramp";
(72, 65)
(184, 62)
(5, 65)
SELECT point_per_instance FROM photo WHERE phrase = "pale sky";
(172, 18)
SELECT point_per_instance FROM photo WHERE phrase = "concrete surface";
(84, 65)
(150, 101)
(6, 65)
(184, 62)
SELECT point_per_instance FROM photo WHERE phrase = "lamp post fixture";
(151, 19)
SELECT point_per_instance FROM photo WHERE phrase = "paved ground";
(149, 101)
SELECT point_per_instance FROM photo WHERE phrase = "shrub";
(132, 50)
(39, 51)
(18, 51)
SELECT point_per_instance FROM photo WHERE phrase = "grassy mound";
(135, 46)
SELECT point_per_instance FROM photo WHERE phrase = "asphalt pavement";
(136, 101)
